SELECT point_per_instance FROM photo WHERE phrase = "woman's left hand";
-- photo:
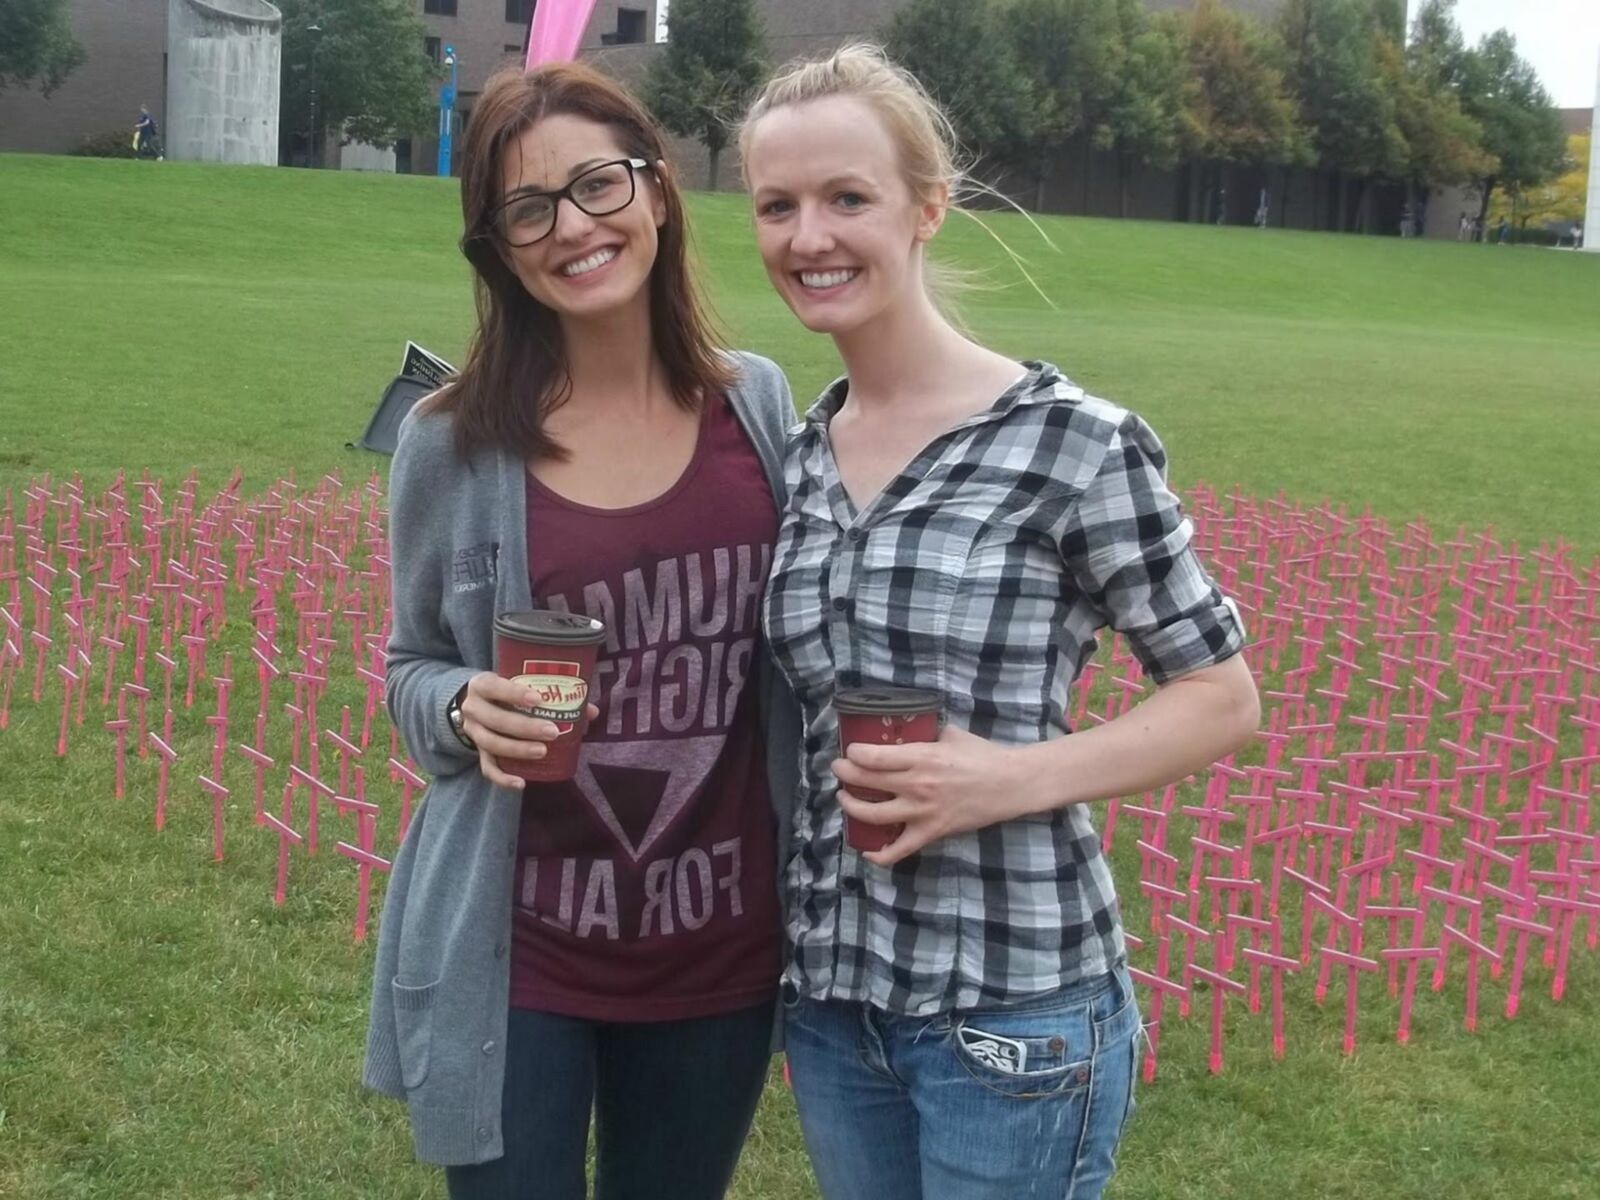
(959, 783)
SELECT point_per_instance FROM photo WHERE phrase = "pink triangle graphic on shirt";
(684, 762)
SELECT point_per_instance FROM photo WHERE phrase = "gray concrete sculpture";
(224, 58)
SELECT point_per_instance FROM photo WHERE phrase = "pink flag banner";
(556, 31)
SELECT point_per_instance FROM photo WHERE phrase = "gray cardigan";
(441, 982)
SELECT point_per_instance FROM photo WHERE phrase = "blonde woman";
(960, 1023)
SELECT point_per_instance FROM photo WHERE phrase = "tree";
(1073, 55)
(1149, 115)
(714, 62)
(36, 44)
(1239, 107)
(1345, 99)
(1436, 53)
(1443, 144)
(1560, 200)
(1521, 128)
(963, 58)
(366, 62)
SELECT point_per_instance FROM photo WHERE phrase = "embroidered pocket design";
(1003, 1054)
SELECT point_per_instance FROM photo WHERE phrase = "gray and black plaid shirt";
(983, 572)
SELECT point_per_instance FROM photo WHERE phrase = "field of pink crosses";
(1416, 808)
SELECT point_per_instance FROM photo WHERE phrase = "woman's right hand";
(499, 731)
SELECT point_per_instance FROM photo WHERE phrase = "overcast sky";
(1561, 38)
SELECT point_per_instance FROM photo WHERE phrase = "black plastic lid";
(543, 625)
(886, 701)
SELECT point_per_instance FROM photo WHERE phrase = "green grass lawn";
(165, 1031)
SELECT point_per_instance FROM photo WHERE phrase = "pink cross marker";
(69, 680)
(410, 783)
(1277, 965)
(1354, 964)
(1524, 929)
(361, 853)
(1221, 985)
(42, 645)
(319, 791)
(1341, 926)
(113, 646)
(1475, 950)
(1567, 909)
(120, 727)
(1452, 902)
(1192, 934)
(1160, 987)
(168, 756)
(286, 835)
(1308, 913)
(262, 763)
(374, 681)
(218, 794)
(219, 719)
(349, 752)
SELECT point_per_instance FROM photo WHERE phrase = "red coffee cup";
(883, 716)
(552, 654)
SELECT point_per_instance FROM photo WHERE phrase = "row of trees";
(1334, 85)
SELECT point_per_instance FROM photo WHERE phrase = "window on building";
(630, 28)
(439, 8)
(432, 47)
(519, 12)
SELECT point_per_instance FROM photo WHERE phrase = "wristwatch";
(458, 721)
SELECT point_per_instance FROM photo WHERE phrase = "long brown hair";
(516, 369)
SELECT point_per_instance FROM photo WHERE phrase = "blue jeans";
(672, 1103)
(1024, 1100)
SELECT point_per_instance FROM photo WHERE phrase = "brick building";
(126, 44)
(125, 40)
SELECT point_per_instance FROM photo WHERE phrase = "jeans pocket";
(413, 1023)
(1030, 1054)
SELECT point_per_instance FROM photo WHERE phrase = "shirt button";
(488, 1047)
(857, 534)
(840, 604)
(500, 950)
(511, 847)
(484, 1133)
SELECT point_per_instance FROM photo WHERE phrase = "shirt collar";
(1042, 383)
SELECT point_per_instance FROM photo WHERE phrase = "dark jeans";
(672, 1102)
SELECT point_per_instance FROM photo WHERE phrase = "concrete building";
(223, 65)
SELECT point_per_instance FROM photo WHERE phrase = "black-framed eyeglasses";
(599, 192)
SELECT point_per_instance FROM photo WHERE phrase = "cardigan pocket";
(413, 1021)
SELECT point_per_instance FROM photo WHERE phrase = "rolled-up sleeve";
(1128, 547)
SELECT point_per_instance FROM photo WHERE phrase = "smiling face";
(587, 266)
(837, 225)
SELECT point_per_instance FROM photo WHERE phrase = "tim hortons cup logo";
(557, 691)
